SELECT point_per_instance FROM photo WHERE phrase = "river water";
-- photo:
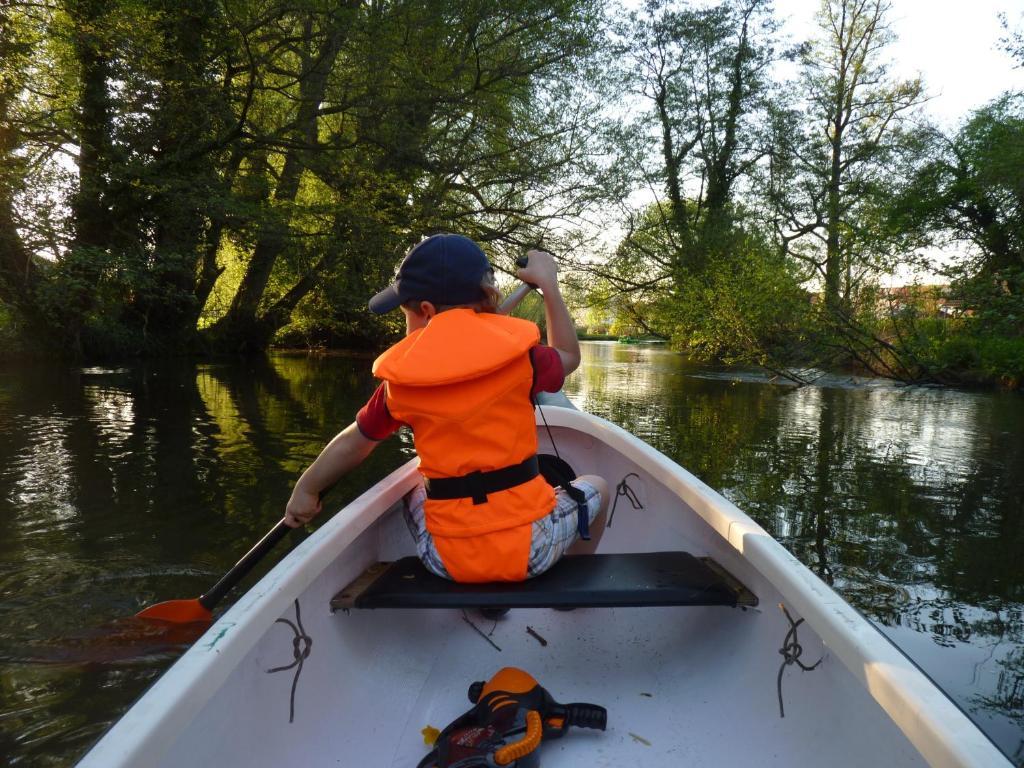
(124, 486)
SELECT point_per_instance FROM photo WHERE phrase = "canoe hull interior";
(682, 685)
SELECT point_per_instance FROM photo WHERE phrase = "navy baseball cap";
(444, 269)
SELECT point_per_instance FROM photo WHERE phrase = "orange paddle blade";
(177, 612)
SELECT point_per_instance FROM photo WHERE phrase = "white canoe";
(694, 686)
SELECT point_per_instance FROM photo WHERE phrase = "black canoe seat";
(639, 579)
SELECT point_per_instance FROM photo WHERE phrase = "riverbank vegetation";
(211, 176)
(785, 208)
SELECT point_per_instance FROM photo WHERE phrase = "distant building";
(927, 300)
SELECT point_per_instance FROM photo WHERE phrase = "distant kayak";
(640, 340)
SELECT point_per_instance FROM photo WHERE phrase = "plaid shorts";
(551, 536)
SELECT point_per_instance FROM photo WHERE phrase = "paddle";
(200, 609)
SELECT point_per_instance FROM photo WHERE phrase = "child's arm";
(346, 451)
(542, 271)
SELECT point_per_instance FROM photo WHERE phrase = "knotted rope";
(791, 650)
(623, 489)
(302, 644)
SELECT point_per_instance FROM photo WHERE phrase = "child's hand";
(541, 270)
(301, 508)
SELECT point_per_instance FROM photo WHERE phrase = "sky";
(952, 44)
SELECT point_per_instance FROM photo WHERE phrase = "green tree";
(237, 165)
(132, 93)
(420, 124)
(703, 74)
(970, 196)
(835, 154)
(696, 266)
(17, 267)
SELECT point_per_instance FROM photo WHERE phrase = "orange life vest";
(463, 384)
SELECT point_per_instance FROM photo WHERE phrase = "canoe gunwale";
(931, 721)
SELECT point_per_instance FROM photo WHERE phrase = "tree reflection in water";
(120, 487)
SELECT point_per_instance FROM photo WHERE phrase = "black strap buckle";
(475, 485)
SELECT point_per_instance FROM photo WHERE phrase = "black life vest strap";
(476, 485)
(560, 474)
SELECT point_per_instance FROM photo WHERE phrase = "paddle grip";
(522, 262)
(586, 716)
(243, 566)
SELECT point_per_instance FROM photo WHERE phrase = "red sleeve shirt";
(374, 419)
(376, 422)
(548, 373)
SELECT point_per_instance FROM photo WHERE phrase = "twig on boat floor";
(533, 633)
(791, 650)
(641, 739)
(479, 631)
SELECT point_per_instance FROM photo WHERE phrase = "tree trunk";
(833, 253)
(17, 270)
(720, 170)
(243, 316)
(833, 197)
(677, 211)
(89, 209)
(18, 273)
(190, 113)
(208, 270)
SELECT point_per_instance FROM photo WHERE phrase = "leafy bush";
(11, 337)
(747, 308)
(109, 304)
(1002, 358)
(966, 350)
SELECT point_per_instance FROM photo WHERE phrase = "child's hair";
(489, 303)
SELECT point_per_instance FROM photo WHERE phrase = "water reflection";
(907, 500)
(122, 487)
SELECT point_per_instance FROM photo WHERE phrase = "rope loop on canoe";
(623, 489)
(791, 651)
(302, 645)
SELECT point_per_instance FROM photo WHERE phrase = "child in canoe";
(464, 379)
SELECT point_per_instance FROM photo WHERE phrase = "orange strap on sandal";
(526, 745)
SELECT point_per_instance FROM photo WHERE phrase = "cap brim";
(385, 301)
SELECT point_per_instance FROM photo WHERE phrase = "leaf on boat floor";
(641, 739)
(430, 734)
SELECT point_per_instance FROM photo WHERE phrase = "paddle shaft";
(209, 599)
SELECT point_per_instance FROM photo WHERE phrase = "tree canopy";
(222, 175)
(230, 162)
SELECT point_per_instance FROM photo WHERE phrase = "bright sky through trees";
(953, 44)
